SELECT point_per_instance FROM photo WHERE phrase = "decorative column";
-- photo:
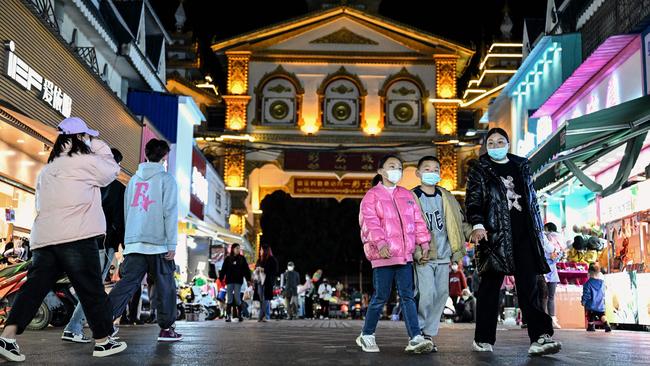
(448, 166)
(447, 118)
(233, 172)
(237, 99)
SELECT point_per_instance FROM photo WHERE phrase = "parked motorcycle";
(12, 278)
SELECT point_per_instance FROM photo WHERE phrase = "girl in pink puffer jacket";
(392, 225)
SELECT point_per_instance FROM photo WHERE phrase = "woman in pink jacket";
(392, 226)
(68, 227)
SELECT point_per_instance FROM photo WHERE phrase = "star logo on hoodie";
(141, 189)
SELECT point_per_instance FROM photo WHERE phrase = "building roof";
(131, 12)
(404, 30)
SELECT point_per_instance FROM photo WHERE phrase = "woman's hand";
(384, 252)
(478, 235)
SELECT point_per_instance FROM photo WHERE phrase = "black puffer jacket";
(486, 203)
(235, 269)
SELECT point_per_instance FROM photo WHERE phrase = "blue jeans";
(76, 323)
(383, 278)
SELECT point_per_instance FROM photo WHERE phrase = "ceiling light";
(42, 153)
(471, 132)
(20, 141)
(27, 163)
(7, 153)
(453, 141)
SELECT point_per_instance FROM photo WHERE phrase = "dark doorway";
(316, 233)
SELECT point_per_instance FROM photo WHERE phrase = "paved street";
(328, 343)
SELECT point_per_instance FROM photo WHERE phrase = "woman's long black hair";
(378, 178)
(232, 249)
(78, 146)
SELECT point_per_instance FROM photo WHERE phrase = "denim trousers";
(135, 267)
(383, 278)
(76, 323)
(79, 260)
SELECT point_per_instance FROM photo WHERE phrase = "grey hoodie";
(151, 208)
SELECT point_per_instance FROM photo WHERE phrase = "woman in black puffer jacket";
(501, 204)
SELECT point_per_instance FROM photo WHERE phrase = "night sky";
(472, 23)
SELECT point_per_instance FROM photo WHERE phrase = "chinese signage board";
(298, 160)
(51, 94)
(351, 187)
(625, 202)
(199, 186)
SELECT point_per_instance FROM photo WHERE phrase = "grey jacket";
(151, 207)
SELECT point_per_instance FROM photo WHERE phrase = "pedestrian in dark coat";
(501, 204)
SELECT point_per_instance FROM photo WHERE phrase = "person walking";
(270, 265)
(553, 256)
(113, 207)
(234, 271)
(444, 220)
(290, 282)
(325, 291)
(304, 292)
(151, 218)
(502, 207)
(68, 227)
(392, 226)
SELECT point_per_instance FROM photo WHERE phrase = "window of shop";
(18, 210)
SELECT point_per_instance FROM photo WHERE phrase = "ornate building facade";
(312, 103)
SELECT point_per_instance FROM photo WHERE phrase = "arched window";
(403, 97)
(278, 99)
(341, 97)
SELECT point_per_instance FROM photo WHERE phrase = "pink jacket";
(68, 200)
(394, 221)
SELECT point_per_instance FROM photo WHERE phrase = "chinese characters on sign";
(331, 186)
(331, 161)
(29, 79)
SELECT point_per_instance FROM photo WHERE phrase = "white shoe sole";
(551, 350)
(10, 356)
(161, 339)
(475, 348)
(364, 349)
(110, 352)
(425, 347)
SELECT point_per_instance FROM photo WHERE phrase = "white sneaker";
(367, 343)
(556, 324)
(482, 347)
(10, 351)
(419, 344)
(545, 345)
(108, 348)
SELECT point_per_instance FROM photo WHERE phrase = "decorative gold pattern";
(446, 77)
(236, 111)
(446, 118)
(403, 112)
(344, 36)
(234, 166)
(341, 111)
(279, 109)
(279, 88)
(448, 166)
(342, 89)
(403, 74)
(238, 72)
(404, 91)
(278, 73)
(342, 73)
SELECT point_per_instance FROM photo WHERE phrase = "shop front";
(43, 81)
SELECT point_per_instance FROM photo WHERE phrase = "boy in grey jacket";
(151, 229)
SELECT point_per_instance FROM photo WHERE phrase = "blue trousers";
(383, 278)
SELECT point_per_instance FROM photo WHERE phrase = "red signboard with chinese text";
(353, 187)
(331, 161)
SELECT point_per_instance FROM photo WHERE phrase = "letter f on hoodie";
(141, 189)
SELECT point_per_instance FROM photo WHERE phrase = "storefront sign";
(331, 161)
(199, 185)
(28, 78)
(330, 186)
(625, 202)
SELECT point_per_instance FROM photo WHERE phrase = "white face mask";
(88, 142)
(394, 175)
(290, 268)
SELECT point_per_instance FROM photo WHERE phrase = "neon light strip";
(465, 104)
(504, 45)
(506, 55)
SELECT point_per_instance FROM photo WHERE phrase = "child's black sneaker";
(108, 348)
(591, 328)
(10, 351)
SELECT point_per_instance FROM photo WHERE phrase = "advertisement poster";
(643, 297)
(620, 298)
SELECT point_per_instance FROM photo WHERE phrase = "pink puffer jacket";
(393, 220)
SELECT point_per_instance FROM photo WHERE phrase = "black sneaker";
(10, 351)
(591, 328)
(545, 345)
(76, 338)
(608, 328)
(108, 348)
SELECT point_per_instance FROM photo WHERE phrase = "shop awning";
(36, 129)
(582, 140)
(221, 233)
